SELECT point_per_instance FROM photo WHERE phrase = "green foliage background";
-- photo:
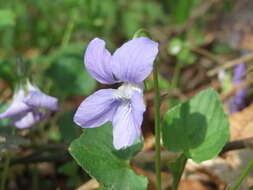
(51, 36)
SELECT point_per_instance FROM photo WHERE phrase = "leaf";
(68, 130)
(128, 153)
(185, 7)
(95, 153)
(6, 72)
(198, 127)
(76, 78)
(7, 18)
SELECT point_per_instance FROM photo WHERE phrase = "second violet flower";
(130, 65)
(25, 109)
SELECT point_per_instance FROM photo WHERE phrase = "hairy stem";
(157, 128)
(242, 176)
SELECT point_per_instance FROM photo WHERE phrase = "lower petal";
(97, 109)
(127, 122)
(28, 119)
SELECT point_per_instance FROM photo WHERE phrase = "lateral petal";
(97, 109)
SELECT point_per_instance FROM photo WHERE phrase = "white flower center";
(125, 91)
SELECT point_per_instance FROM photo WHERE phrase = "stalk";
(157, 128)
(244, 173)
(5, 171)
(177, 178)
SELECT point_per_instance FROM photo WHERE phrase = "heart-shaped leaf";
(95, 153)
(198, 127)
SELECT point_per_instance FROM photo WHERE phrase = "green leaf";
(128, 153)
(7, 18)
(76, 78)
(198, 127)
(95, 153)
(6, 72)
(68, 130)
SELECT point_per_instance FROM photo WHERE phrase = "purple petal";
(97, 60)
(97, 109)
(138, 107)
(17, 106)
(237, 102)
(133, 61)
(28, 119)
(127, 122)
(238, 73)
(38, 99)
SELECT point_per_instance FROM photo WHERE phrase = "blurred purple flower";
(25, 109)
(130, 64)
(237, 102)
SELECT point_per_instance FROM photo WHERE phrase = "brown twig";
(230, 64)
(235, 89)
(61, 155)
(207, 54)
(238, 144)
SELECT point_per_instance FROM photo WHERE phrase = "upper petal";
(97, 109)
(37, 99)
(97, 60)
(17, 106)
(133, 61)
(127, 121)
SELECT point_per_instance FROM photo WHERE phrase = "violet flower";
(130, 65)
(237, 102)
(25, 109)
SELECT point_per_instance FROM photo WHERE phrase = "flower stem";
(69, 30)
(157, 128)
(176, 75)
(177, 178)
(242, 176)
(21, 69)
(5, 171)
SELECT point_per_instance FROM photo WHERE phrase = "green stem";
(177, 178)
(5, 171)
(242, 176)
(69, 30)
(157, 128)
(176, 75)
(35, 179)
